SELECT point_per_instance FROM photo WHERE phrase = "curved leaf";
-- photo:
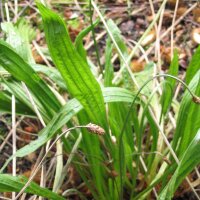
(79, 40)
(5, 105)
(52, 73)
(194, 66)
(61, 118)
(9, 183)
(15, 88)
(22, 71)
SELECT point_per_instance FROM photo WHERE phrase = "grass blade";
(51, 73)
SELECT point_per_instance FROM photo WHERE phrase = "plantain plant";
(110, 165)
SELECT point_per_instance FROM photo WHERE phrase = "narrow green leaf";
(68, 111)
(51, 73)
(121, 44)
(109, 72)
(22, 71)
(16, 89)
(190, 159)
(169, 84)
(9, 183)
(118, 37)
(18, 37)
(5, 105)
(63, 116)
(194, 66)
(79, 40)
(116, 94)
(188, 121)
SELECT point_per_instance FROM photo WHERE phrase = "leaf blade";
(169, 89)
(12, 183)
(79, 79)
(194, 66)
(22, 71)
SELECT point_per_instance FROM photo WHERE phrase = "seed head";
(196, 99)
(93, 128)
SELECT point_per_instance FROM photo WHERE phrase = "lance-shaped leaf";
(81, 84)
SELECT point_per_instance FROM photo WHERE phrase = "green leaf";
(194, 66)
(81, 84)
(17, 90)
(116, 94)
(51, 73)
(59, 120)
(5, 105)
(190, 159)
(18, 37)
(109, 72)
(79, 40)
(63, 116)
(118, 37)
(169, 84)
(9, 183)
(22, 71)
(188, 121)
(116, 33)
